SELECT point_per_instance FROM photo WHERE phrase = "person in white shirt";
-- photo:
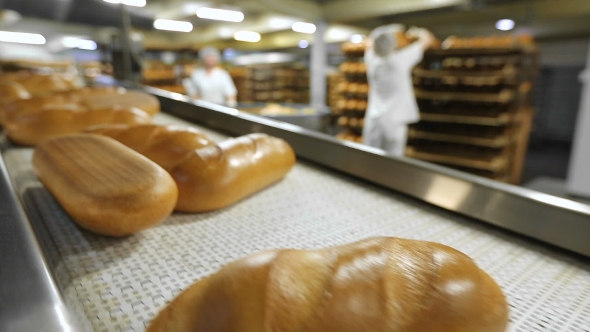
(211, 83)
(392, 105)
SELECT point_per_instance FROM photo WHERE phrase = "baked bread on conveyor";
(208, 176)
(103, 185)
(379, 284)
(86, 98)
(31, 129)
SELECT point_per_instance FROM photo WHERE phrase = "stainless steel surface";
(29, 298)
(318, 121)
(121, 283)
(551, 219)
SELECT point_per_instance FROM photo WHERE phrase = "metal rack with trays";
(475, 109)
(167, 77)
(283, 83)
(353, 93)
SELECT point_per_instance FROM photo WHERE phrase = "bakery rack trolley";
(57, 277)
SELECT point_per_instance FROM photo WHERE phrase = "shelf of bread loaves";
(474, 96)
(457, 154)
(353, 92)
(335, 79)
(350, 136)
(485, 136)
(354, 71)
(509, 44)
(354, 50)
(282, 83)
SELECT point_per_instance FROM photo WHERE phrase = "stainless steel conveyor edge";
(554, 220)
(29, 297)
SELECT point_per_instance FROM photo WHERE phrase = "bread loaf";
(20, 107)
(137, 99)
(167, 146)
(214, 177)
(87, 98)
(45, 85)
(104, 186)
(209, 176)
(379, 284)
(10, 91)
(32, 128)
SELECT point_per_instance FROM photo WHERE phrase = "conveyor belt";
(120, 284)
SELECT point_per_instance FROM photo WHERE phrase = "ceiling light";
(356, 39)
(220, 14)
(22, 38)
(134, 3)
(303, 44)
(505, 25)
(171, 25)
(247, 36)
(303, 27)
(75, 42)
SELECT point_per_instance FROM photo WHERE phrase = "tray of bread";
(169, 226)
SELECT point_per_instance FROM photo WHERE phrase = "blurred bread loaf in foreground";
(10, 91)
(104, 186)
(379, 284)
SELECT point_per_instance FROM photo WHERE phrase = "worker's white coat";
(392, 105)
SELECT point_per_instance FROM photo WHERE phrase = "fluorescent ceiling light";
(171, 25)
(247, 36)
(505, 25)
(22, 38)
(303, 44)
(220, 14)
(83, 44)
(303, 27)
(134, 3)
(356, 39)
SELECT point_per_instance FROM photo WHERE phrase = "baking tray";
(119, 284)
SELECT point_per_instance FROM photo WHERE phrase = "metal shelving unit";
(475, 88)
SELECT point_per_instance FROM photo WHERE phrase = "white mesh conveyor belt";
(121, 283)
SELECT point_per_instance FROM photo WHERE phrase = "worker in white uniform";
(211, 83)
(392, 105)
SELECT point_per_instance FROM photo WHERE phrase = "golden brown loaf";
(214, 177)
(87, 98)
(45, 85)
(32, 128)
(33, 105)
(208, 176)
(377, 285)
(167, 146)
(137, 99)
(10, 91)
(104, 186)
